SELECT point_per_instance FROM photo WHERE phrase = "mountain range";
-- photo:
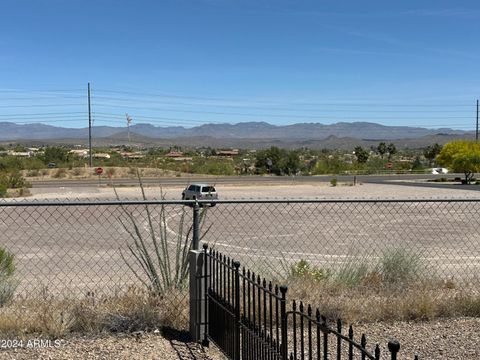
(247, 133)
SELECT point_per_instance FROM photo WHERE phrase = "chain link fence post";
(197, 295)
(196, 227)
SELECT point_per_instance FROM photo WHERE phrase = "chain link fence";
(442, 235)
(329, 253)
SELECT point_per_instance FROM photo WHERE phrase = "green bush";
(333, 182)
(3, 190)
(303, 269)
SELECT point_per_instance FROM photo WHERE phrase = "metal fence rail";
(74, 248)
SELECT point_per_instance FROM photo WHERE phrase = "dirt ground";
(261, 191)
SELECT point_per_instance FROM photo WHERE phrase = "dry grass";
(396, 288)
(132, 311)
(374, 301)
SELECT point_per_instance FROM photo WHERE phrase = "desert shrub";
(13, 180)
(164, 268)
(7, 281)
(77, 171)
(60, 173)
(351, 274)
(399, 266)
(111, 171)
(7, 267)
(33, 173)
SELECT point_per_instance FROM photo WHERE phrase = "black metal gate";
(222, 304)
(247, 319)
(243, 312)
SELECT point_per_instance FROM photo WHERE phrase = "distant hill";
(248, 130)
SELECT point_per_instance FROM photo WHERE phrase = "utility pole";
(89, 127)
(476, 132)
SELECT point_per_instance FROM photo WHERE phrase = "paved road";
(405, 180)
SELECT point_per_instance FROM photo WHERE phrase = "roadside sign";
(389, 165)
(98, 170)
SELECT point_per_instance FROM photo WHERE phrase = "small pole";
(89, 126)
(196, 227)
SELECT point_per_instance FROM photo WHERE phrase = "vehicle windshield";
(208, 189)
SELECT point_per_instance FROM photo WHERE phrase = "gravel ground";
(451, 339)
(141, 346)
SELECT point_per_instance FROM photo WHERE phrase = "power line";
(271, 115)
(42, 98)
(278, 101)
(34, 106)
(261, 108)
(44, 114)
(24, 121)
(40, 91)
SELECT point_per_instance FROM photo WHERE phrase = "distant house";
(229, 153)
(79, 152)
(174, 154)
(132, 155)
(21, 153)
(101, 156)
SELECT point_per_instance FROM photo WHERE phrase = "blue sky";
(186, 62)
